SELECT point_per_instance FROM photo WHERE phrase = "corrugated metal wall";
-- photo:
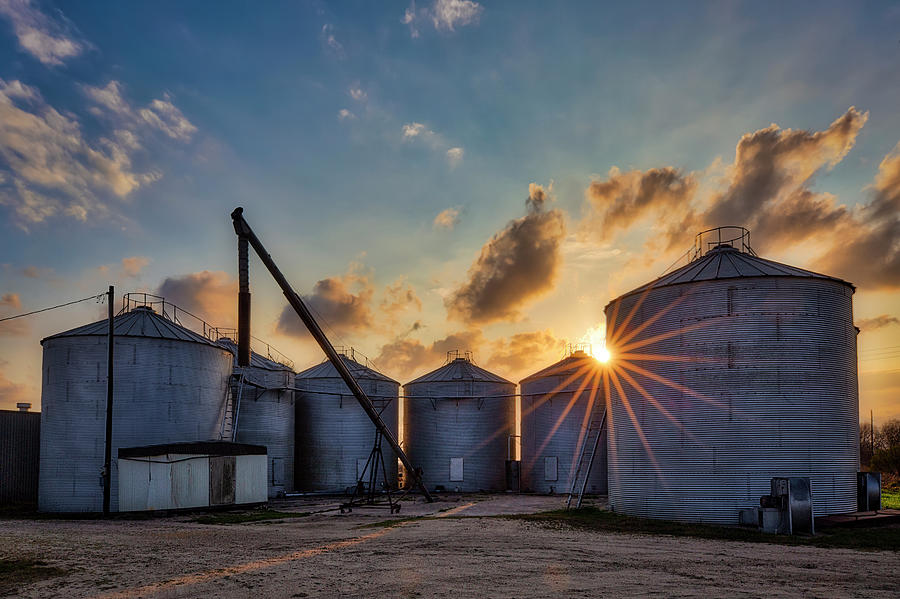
(474, 427)
(20, 449)
(166, 390)
(554, 425)
(334, 434)
(758, 379)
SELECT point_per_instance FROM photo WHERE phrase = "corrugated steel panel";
(166, 391)
(266, 416)
(763, 384)
(20, 446)
(555, 419)
(333, 432)
(469, 418)
(460, 369)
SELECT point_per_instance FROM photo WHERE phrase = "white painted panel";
(190, 482)
(551, 464)
(456, 469)
(251, 479)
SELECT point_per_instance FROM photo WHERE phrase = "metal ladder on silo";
(583, 470)
(232, 407)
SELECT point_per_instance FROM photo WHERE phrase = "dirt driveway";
(330, 555)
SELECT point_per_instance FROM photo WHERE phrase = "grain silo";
(334, 435)
(727, 372)
(560, 403)
(459, 421)
(264, 411)
(170, 387)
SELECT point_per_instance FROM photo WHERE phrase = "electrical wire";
(93, 297)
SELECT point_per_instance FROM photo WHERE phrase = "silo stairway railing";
(589, 445)
(233, 393)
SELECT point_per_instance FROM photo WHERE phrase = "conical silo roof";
(460, 369)
(139, 322)
(256, 360)
(726, 262)
(575, 362)
(326, 370)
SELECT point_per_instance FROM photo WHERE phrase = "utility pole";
(107, 460)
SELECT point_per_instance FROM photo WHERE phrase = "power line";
(99, 296)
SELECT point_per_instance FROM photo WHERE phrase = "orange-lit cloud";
(523, 353)
(867, 250)
(622, 199)
(404, 358)
(870, 324)
(446, 219)
(341, 304)
(12, 393)
(517, 265)
(210, 295)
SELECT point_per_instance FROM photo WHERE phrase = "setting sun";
(596, 340)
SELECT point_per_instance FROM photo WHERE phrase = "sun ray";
(637, 427)
(585, 424)
(664, 336)
(669, 383)
(663, 410)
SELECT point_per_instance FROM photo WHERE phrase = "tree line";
(880, 453)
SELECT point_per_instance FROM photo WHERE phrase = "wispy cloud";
(455, 156)
(330, 42)
(51, 167)
(358, 93)
(448, 14)
(447, 219)
(445, 15)
(50, 39)
(344, 115)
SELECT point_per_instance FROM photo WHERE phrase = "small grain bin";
(334, 434)
(731, 370)
(170, 387)
(459, 421)
(263, 397)
(559, 405)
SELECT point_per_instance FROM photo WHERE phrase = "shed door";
(277, 471)
(550, 468)
(221, 480)
(456, 469)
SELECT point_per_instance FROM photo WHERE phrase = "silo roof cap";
(326, 370)
(460, 369)
(139, 322)
(726, 262)
(256, 360)
(574, 362)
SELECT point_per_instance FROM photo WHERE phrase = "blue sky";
(345, 129)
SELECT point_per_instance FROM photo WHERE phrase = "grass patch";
(890, 499)
(884, 538)
(246, 517)
(17, 572)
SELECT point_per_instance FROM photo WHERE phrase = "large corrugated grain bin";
(727, 372)
(170, 386)
(459, 421)
(334, 434)
(559, 405)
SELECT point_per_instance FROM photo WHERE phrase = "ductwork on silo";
(559, 404)
(170, 387)
(263, 413)
(728, 372)
(334, 435)
(458, 423)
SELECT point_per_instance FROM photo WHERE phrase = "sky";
(440, 175)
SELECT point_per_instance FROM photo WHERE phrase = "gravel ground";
(328, 555)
